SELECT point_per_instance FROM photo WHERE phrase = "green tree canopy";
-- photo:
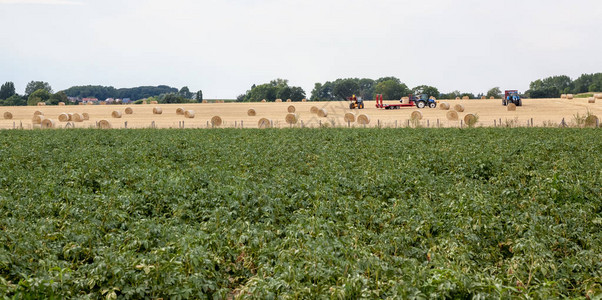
(7, 90)
(58, 97)
(346, 88)
(33, 86)
(276, 89)
(185, 92)
(392, 89)
(430, 91)
(40, 95)
(495, 93)
(199, 96)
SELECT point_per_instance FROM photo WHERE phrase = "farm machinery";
(512, 96)
(411, 100)
(356, 102)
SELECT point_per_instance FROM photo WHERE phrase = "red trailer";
(418, 102)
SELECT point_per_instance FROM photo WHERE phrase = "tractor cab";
(356, 102)
(422, 101)
(512, 96)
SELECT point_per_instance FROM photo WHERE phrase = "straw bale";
(452, 115)
(349, 117)
(157, 110)
(251, 112)
(189, 114)
(86, 116)
(76, 117)
(37, 119)
(104, 124)
(216, 121)
(8, 115)
(363, 119)
(264, 123)
(129, 111)
(314, 109)
(444, 106)
(291, 109)
(64, 117)
(322, 113)
(292, 118)
(416, 115)
(591, 121)
(459, 107)
(116, 114)
(47, 123)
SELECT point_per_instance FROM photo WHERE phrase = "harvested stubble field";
(544, 112)
(324, 213)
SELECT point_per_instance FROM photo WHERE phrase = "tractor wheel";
(361, 106)
(520, 102)
(420, 104)
(433, 104)
(504, 102)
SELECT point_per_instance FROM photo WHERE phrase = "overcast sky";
(225, 46)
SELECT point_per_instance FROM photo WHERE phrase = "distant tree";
(185, 92)
(387, 79)
(174, 98)
(40, 95)
(284, 92)
(278, 88)
(297, 94)
(14, 100)
(346, 88)
(7, 90)
(58, 97)
(391, 89)
(430, 91)
(33, 86)
(469, 95)
(593, 88)
(199, 96)
(323, 92)
(495, 93)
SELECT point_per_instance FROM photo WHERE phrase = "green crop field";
(322, 213)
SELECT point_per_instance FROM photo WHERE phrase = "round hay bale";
(483, 97)
(452, 115)
(289, 100)
(444, 106)
(349, 117)
(41, 103)
(314, 109)
(76, 117)
(591, 100)
(189, 114)
(432, 98)
(304, 100)
(216, 121)
(470, 119)
(204, 101)
(86, 116)
(457, 98)
(278, 100)
(116, 114)
(264, 123)
(322, 113)
(465, 98)
(157, 111)
(264, 101)
(363, 119)
(154, 102)
(61, 103)
(47, 123)
(570, 96)
(38, 113)
(90, 103)
(416, 115)
(8, 115)
(598, 96)
(511, 107)
(491, 98)
(292, 118)
(459, 107)
(64, 117)
(37, 119)
(251, 112)
(179, 111)
(291, 109)
(104, 124)
(591, 121)
(129, 111)
(563, 96)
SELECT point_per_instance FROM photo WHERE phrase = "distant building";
(90, 100)
(126, 100)
(110, 100)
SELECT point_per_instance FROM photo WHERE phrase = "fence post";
(207, 124)
(494, 123)
(125, 124)
(348, 124)
(461, 124)
(396, 124)
(532, 125)
(241, 124)
(438, 123)
(428, 124)
(235, 124)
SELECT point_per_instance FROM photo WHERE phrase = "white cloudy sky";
(225, 46)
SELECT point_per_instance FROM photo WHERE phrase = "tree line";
(40, 91)
(554, 86)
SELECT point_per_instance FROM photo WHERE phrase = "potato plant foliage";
(322, 213)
